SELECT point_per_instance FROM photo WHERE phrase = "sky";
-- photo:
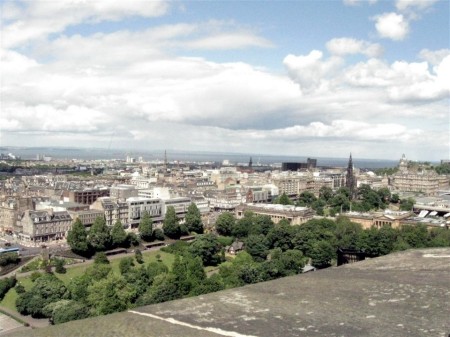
(298, 78)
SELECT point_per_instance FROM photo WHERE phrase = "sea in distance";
(30, 153)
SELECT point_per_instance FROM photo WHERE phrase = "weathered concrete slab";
(402, 294)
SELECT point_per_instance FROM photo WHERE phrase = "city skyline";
(288, 78)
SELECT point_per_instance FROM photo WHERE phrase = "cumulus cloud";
(344, 46)
(311, 71)
(138, 87)
(392, 26)
(434, 57)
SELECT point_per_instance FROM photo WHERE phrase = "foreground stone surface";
(402, 294)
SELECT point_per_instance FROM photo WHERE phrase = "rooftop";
(401, 294)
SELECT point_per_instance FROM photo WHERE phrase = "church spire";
(350, 181)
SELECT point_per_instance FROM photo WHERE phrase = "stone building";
(418, 180)
(295, 215)
(43, 226)
(393, 219)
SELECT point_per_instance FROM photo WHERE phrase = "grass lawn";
(149, 256)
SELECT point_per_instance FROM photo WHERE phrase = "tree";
(66, 310)
(194, 219)
(46, 289)
(77, 238)
(118, 235)
(154, 269)
(243, 225)
(322, 253)
(306, 198)
(207, 248)
(171, 226)
(101, 258)
(281, 236)
(325, 193)
(99, 237)
(138, 256)
(109, 295)
(78, 287)
(407, 204)
(146, 227)
(196, 275)
(163, 289)
(257, 246)
(125, 265)
(262, 224)
(283, 200)
(59, 266)
(9, 258)
(395, 198)
(347, 233)
(225, 223)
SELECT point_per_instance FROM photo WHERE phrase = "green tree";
(395, 199)
(78, 287)
(262, 224)
(347, 233)
(109, 295)
(118, 235)
(66, 310)
(125, 265)
(281, 236)
(257, 246)
(98, 271)
(225, 223)
(154, 269)
(171, 226)
(407, 204)
(207, 247)
(283, 200)
(99, 237)
(158, 234)
(101, 258)
(138, 256)
(45, 290)
(196, 275)
(415, 236)
(326, 193)
(194, 219)
(322, 253)
(306, 198)
(164, 288)
(146, 227)
(243, 225)
(77, 238)
(59, 266)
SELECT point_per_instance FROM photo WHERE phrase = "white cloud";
(229, 41)
(392, 26)
(355, 130)
(344, 46)
(311, 71)
(434, 57)
(39, 18)
(416, 4)
(137, 87)
(358, 2)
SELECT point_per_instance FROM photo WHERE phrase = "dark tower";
(350, 181)
(250, 163)
(165, 160)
